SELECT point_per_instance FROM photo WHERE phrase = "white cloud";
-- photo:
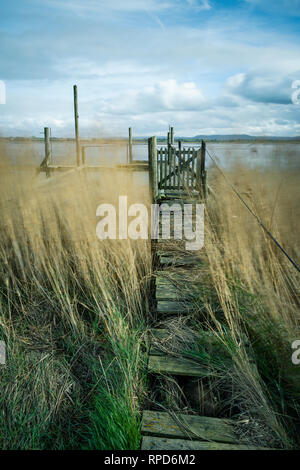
(263, 86)
(170, 95)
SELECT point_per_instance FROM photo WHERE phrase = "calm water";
(258, 155)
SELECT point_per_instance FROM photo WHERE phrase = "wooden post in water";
(83, 155)
(179, 145)
(153, 173)
(130, 144)
(76, 117)
(48, 156)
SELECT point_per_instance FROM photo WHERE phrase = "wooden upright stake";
(172, 135)
(169, 146)
(203, 170)
(83, 155)
(76, 116)
(153, 173)
(198, 171)
(48, 155)
(130, 144)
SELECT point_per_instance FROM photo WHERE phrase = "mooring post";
(153, 175)
(76, 116)
(179, 145)
(48, 156)
(130, 144)
(83, 155)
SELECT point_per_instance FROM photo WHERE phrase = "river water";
(228, 154)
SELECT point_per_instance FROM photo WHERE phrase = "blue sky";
(203, 66)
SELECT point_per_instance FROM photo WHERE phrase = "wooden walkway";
(167, 429)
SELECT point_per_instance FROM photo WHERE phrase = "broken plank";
(176, 366)
(167, 291)
(164, 443)
(170, 307)
(182, 426)
(178, 260)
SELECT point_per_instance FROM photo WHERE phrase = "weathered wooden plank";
(167, 291)
(160, 342)
(178, 259)
(170, 307)
(182, 426)
(176, 366)
(164, 443)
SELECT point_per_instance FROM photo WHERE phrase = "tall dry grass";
(246, 296)
(73, 312)
(252, 301)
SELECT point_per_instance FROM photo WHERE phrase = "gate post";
(200, 170)
(203, 170)
(169, 147)
(172, 135)
(153, 170)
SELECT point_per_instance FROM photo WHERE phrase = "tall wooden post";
(130, 144)
(172, 135)
(153, 173)
(203, 170)
(48, 154)
(179, 145)
(76, 117)
(169, 146)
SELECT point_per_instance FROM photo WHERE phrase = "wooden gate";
(177, 169)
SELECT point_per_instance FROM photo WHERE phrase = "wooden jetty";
(178, 174)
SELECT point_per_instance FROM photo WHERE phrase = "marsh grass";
(73, 316)
(247, 312)
(251, 306)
